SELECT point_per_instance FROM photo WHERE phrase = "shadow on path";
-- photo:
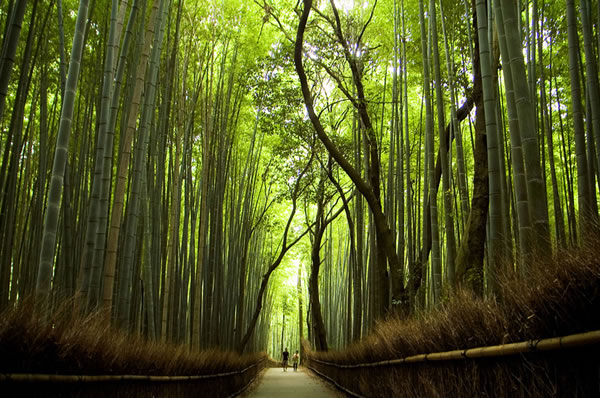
(277, 383)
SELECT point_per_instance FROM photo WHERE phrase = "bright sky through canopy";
(345, 5)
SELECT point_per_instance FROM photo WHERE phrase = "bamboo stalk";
(33, 378)
(549, 344)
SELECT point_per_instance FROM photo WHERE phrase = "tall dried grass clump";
(555, 298)
(67, 345)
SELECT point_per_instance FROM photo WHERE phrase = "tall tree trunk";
(523, 209)
(122, 169)
(9, 50)
(546, 126)
(319, 332)
(136, 196)
(93, 257)
(352, 260)
(470, 255)
(370, 190)
(444, 146)
(584, 196)
(43, 285)
(436, 261)
(526, 116)
(13, 158)
(495, 249)
(300, 318)
(100, 250)
(592, 85)
(147, 278)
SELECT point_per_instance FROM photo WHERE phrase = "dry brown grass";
(555, 299)
(65, 345)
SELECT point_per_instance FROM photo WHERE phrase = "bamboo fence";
(55, 378)
(549, 344)
(531, 346)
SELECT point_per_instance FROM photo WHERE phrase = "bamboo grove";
(242, 175)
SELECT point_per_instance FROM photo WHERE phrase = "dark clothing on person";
(286, 355)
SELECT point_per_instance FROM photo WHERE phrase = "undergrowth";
(555, 298)
(89, 346)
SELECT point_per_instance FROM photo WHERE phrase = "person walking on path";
(286, 356)
(295, 359)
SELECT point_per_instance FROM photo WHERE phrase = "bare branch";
(366, 24)
(270, 12)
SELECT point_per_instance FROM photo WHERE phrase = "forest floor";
(274, 382)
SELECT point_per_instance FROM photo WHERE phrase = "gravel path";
(277, 383)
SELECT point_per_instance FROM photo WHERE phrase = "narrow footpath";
(277, 383)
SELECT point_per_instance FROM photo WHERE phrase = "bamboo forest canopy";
(243, 174)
